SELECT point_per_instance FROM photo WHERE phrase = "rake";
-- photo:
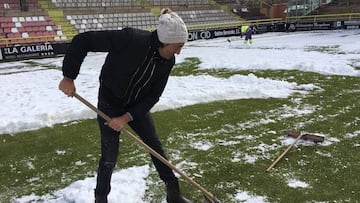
(310, 137)
(208, 197)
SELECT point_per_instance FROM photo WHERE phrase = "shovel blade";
(311, 137)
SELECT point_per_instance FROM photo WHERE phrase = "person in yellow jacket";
(248, 35)
(243, 29)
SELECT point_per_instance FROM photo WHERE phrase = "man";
(132, 79)
(248, 35)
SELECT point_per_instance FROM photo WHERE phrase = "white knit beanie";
(171, 29)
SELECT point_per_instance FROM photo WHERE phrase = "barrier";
(41, 50)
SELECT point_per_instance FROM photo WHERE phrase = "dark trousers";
(145, 128)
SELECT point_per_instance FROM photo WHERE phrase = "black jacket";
(133, 76)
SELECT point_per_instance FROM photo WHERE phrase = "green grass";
(48, 159)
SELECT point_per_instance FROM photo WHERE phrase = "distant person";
(248, 35)
(243, 29)
(132, 79)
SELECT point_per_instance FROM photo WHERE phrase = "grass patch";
(48, 66)
(51, 158)
(225, 146)
(190, 66)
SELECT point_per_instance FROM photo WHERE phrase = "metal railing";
(327, 17)
(5, 42)
(235, 24)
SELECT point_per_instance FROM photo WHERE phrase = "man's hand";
(67, 86)
(118, 123)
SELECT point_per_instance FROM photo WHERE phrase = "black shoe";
(173, 192)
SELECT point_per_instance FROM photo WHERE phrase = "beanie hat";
(171, 29)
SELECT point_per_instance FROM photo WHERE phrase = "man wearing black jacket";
(132, 79)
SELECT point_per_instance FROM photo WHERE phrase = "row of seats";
(339, 6)
(125, 3)
(95, 3)
(178, 2)
(205, 16)
(112, 21)
(110, 15)
(29, 29)
(24, 19)
(18, 5)
(31, 40)
(227, 1)
(145, 20)
(17, 1)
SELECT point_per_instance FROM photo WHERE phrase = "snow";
(129, 186)
(31, 99)
(297, 183)
(247, 198)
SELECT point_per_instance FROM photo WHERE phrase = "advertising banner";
(314, 26)
(210, 34)
(352, 24)
(26, 51)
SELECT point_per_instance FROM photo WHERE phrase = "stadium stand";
(194, 17)
(193, 12)
(326, 11)
(250, 13)
(36, 21)
(338, 6)
(29, 21)
(246, 9)
(24, 22)
(19, 5)
(103, 21)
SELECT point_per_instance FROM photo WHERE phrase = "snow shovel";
(208, 197)
(311, 137)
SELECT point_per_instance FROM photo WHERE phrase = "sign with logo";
(313, 26)
(27, 51)
(352, 24)
(209, 34)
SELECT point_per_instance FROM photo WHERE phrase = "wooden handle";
(166, 162)
(283, 154)
(92, 107)
(207, 194)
